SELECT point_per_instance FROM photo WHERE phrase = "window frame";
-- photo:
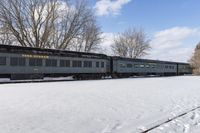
(65, 63)
(17, 61)
(3, 63)
(36, 62)
(77, 63)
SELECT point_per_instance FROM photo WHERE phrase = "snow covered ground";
(101, 106)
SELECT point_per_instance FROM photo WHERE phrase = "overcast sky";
(172, 25)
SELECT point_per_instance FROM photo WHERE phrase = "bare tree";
(77, 28)
(6, 37)
(90, 38)
(51, 23)
(30, 21)
(195, 60)
(120, 47)
(132, 43)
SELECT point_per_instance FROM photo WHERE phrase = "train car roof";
(30, 50)
(149, 60)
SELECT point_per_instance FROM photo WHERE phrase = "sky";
(173, 26)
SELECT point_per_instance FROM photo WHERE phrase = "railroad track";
(170, 119)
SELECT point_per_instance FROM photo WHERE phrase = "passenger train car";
(125, 67)
(34, 63)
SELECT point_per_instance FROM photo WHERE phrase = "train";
(21, 63)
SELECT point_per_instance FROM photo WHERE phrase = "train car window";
(129, 65)
(38, 62)
(35, 62)
(15, 61)
(2, 61)
(67, 63)
(141, 66)
(31, 62)
(136, 65)
(21, 61)
(76, 63)
(48, 62)
(102, 64)
(54, 63)
(90, 63)
(51, 62)
(122, 65)
(97, 64)
(64, 63)
(147, 66)
(166, 66)
(87, 63)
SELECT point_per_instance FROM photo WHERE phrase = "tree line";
(49, 24)
(65, 25)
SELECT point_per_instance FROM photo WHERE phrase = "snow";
(6, 80)
(101, 106)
